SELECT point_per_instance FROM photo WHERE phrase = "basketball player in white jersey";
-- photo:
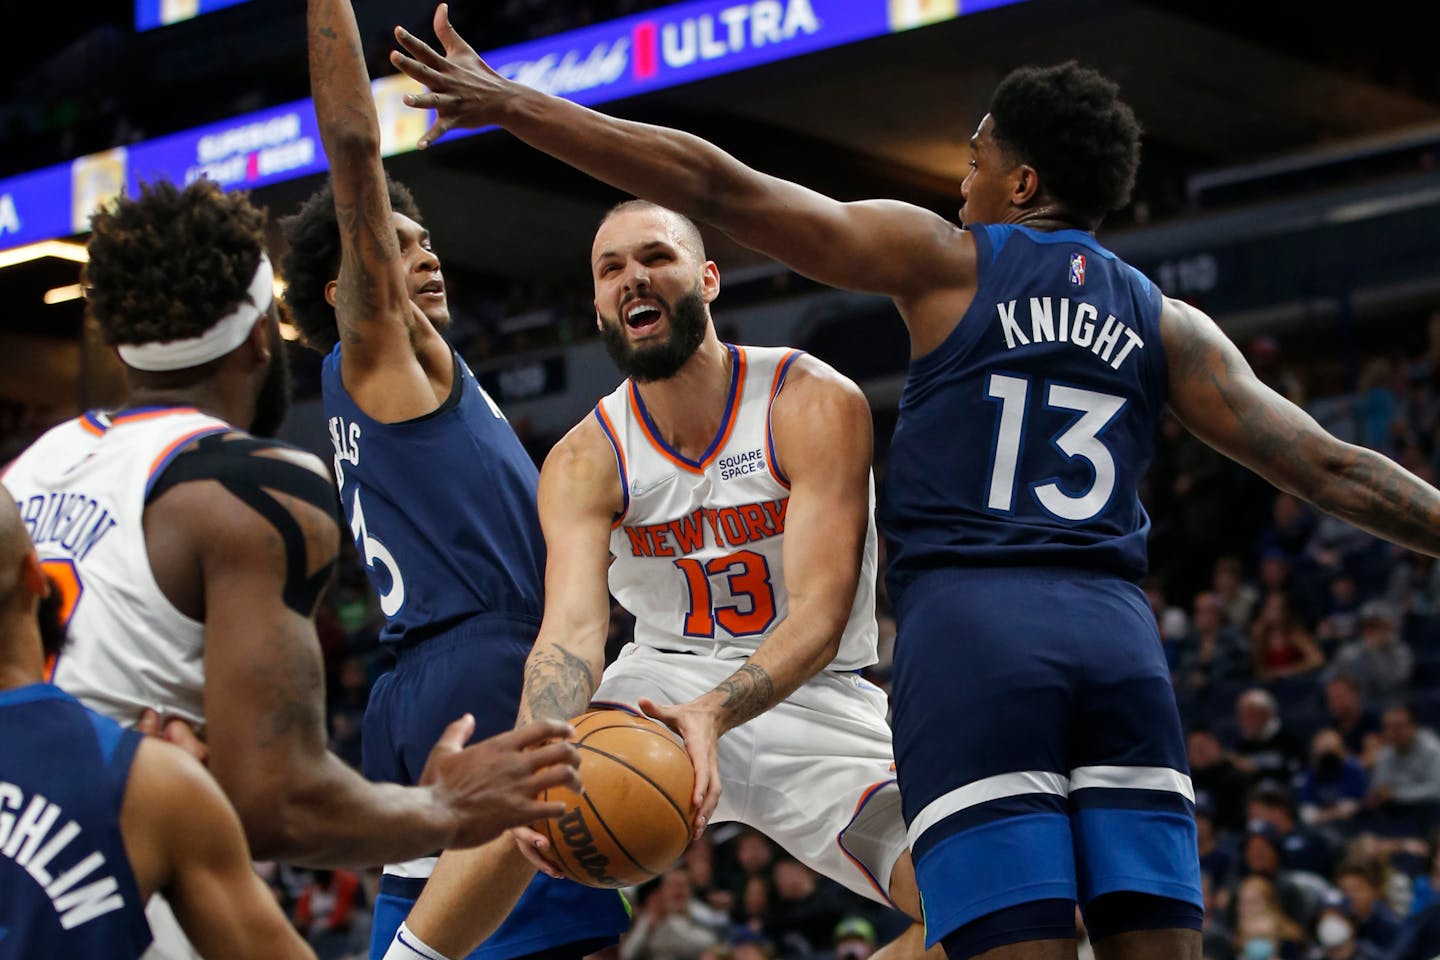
(723, 495)
(191, 555)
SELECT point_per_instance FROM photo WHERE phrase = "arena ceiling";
(1213, 86)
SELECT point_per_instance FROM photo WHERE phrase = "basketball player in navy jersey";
(1039, 746)
(95, 818)
(438, 491)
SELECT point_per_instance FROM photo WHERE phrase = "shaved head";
(681, 226)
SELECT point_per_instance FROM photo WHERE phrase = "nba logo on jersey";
(1077, 269)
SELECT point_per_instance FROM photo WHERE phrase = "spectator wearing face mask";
(1336, 937)
(1363, 884)
(1263, 931)
(1332, 788)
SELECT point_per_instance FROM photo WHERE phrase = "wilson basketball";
(632, 819)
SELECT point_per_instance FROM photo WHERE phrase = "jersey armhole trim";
(452, 400)
(782, 370)
(614, 439)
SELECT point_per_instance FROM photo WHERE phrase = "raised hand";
(491, 786)
(464, 91)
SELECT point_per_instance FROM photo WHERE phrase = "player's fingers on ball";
(538, 731)
(556, 776)
(543, 810)
(563, 753)
(528, 838)
(149, 723)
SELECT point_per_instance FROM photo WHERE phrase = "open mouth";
(434, 290)
(642, 317)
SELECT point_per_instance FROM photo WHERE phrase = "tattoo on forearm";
(1352, 482)
(1386, 499)
(558, 684)
(748, 693)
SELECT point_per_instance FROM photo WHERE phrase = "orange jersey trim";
(614, 438)
(870, 791)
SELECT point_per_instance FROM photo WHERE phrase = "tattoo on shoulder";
(748, 693)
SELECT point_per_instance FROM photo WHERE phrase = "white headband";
(225, 335)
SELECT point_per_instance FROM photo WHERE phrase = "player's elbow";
(352, 142)
(275, 830)
(279, 823)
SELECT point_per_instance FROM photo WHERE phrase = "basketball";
(632, 819)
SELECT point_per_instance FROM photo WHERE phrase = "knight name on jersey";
(75, 521)
(1057, 319)
(29, 840)
(730, 527)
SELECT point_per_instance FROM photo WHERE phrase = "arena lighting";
(593, 65)
(63, 294)
(60, 249)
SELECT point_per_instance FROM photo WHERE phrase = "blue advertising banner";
(150, 14)
(594, 65)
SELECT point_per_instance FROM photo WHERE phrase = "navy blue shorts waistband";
(483, 628)
(407, 888)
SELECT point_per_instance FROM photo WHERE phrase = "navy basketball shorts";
(1038, 746)
(479, 669)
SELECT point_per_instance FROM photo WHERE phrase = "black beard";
(52, 632)
(663, 361)
(273, 401)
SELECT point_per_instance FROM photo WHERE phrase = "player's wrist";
(444, 819)
(406, 945)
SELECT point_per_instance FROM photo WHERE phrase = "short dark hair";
(169, 263)
(312, 260)
(1069, 123)
(687, 226)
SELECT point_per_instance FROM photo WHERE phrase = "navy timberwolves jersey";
(66, 889)
(1023, 437)
(442, 509)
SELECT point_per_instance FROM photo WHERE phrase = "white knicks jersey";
(81, 491)
(698, 557)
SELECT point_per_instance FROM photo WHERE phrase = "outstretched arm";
(380, 329)
(183, 839)
(265, 701)
(1216, 394)
(823, 438)
(875, 246)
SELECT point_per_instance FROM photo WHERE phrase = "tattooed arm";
(394, 363)
(472, 891)
(265, 707)
(1219, 398)
(823, 438)
(578, 499)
